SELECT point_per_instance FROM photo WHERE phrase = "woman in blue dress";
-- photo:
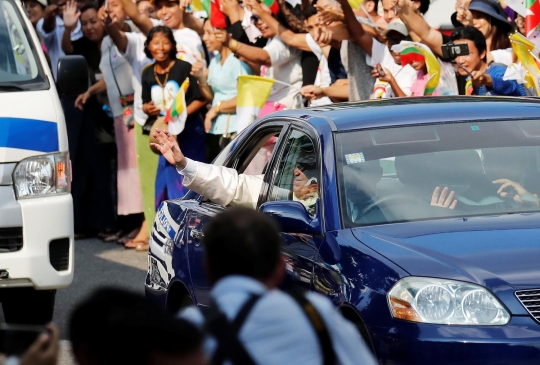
(161, 81)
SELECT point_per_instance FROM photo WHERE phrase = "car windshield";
(19, 66)
(408, 173)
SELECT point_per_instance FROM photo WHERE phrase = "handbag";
(126, 101)
(227, 137)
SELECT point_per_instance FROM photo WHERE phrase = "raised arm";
(200, 74)
(417, 24)
(118, 37)
(356, 30)
(193, 23)
(249, 53)
(49, 18)
(296, 40)
(140, 20)
(71, 17)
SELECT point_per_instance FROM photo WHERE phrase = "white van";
(36, 208)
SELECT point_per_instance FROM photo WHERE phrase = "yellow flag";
(355, 4)
(253, 91)
(523, 49)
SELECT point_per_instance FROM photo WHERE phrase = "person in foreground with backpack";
(251, 321)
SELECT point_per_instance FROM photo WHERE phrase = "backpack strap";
(317, 322)
(226, 333)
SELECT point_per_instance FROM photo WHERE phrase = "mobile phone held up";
(451, 51)
(380, 70)
(15, 339)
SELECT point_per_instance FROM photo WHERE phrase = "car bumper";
(409, 343)
(45, 260)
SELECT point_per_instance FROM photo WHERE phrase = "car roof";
(416, 110)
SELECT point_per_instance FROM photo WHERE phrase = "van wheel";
(28, 306)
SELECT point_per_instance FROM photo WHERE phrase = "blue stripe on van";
(29, 134)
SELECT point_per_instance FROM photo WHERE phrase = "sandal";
(133, 243)
(128, 237)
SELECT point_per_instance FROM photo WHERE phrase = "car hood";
(492, 251)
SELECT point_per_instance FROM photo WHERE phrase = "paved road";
(97, 264)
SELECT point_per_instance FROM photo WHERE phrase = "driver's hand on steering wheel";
(442, 200)
(519, 194)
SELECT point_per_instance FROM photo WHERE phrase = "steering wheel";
(393, 199)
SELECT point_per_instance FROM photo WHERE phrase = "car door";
(299, 151)
(251, 156)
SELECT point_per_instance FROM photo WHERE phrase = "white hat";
(398, 26)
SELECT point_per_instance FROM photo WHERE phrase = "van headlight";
(42, 175)
(442, 301)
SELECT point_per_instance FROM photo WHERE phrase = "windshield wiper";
(11, 86)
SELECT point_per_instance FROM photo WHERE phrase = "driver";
(224, 186)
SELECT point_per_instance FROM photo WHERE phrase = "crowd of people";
(142, 54)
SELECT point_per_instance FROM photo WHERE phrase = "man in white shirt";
(51, 29)
(278, 327)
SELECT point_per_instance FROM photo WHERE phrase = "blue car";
(422, 226)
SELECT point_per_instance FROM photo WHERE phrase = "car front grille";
(11, 239)
(531, 301)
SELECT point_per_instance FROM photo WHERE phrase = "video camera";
(451, 51)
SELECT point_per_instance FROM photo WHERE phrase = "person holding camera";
(485, 15)
(483, 78)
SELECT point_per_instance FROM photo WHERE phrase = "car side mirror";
(72, 76)
(292, 216)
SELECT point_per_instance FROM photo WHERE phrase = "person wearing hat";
(35, 10)
(381, 57)
(485, 15)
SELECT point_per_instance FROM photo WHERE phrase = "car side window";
(257, 161)
(297, 176)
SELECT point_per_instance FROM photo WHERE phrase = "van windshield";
(19, 64)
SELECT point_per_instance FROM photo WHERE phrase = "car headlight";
(442, 301)
(42, 175)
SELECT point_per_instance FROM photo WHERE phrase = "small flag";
(217, 18)
(177, 114)
(253, 91)
(414, 51)
(523, 49)
(198, 5)
(532, 20)
(469, 88)
(272, 5)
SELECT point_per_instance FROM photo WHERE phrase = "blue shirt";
(277, 331)
(223, 80)
(500, 87)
